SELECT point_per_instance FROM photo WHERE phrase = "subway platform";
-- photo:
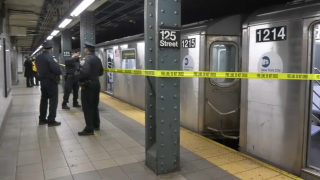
(32, 152)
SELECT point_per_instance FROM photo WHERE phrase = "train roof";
(228, 26)
(284, 12)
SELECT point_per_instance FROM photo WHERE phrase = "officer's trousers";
(71, 84)
(49, 91)
(90, 97)
(29, 81)
(35, 75)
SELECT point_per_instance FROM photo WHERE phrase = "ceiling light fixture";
(65, 23)
(54, 32)
(82, 6)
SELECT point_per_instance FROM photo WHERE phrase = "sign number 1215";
(271, 34)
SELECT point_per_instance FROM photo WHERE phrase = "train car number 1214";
(271, 34)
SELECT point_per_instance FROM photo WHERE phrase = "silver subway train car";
(274, 120)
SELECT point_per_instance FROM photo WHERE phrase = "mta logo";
(186, 61)
(265, 61)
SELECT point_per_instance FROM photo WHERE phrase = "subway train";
(274, 120)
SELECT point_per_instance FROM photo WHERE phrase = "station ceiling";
(114, 18)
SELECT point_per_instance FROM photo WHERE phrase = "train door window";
(223, 58)
(314, 128)
(128, 59)
(110, 64)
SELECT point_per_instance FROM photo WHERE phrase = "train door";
(222, 116)
(313, 160)
(109, 61)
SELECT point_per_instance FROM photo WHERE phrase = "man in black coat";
(49, 75)
(71, 84)
(28, 72)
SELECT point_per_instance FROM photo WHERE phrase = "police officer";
(49, 75)
(88, 75)
(71, 83)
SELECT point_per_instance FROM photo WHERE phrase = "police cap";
(48, 45)
(88, 45)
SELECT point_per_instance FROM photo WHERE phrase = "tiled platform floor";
(32, 152)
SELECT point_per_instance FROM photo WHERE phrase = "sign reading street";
(169, 38)
(66, 53)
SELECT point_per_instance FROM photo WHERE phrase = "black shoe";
(76, 105)
(85, 133)
(54, 123)
(43, 122)
(65, 106)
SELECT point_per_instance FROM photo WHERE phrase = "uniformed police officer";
(49, 75)
(71, 84)
(88, 75)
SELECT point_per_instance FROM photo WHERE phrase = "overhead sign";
(271, 34)
(189, 43)
(169, 38)
(66, 53)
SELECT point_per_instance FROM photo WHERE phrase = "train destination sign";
(271, 34)
(169, 38)
(189, 43)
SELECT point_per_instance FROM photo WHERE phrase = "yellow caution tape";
(211, 74)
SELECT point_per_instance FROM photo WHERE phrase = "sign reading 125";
(271, 34)
(169, 38)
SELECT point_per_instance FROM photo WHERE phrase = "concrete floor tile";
(92, 175)
(125, 160)
(99, 156)
(33, 176)
(81, 168)
(55, 164)
(103, 164)
(56, 173)
(29, 169)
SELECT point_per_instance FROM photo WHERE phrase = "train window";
(128, 59)
(223, 58)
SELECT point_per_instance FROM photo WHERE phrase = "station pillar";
(87, 29)
(66, 48)
(162, 52)
(56, 48)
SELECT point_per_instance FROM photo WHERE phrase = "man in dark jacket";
(28, 72)
(49, 75)
(71, 84)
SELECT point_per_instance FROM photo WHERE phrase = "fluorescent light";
(7, 50)
(65, 23)
(82, 6)
(49, 37)
(55, 32)
(125, 46)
